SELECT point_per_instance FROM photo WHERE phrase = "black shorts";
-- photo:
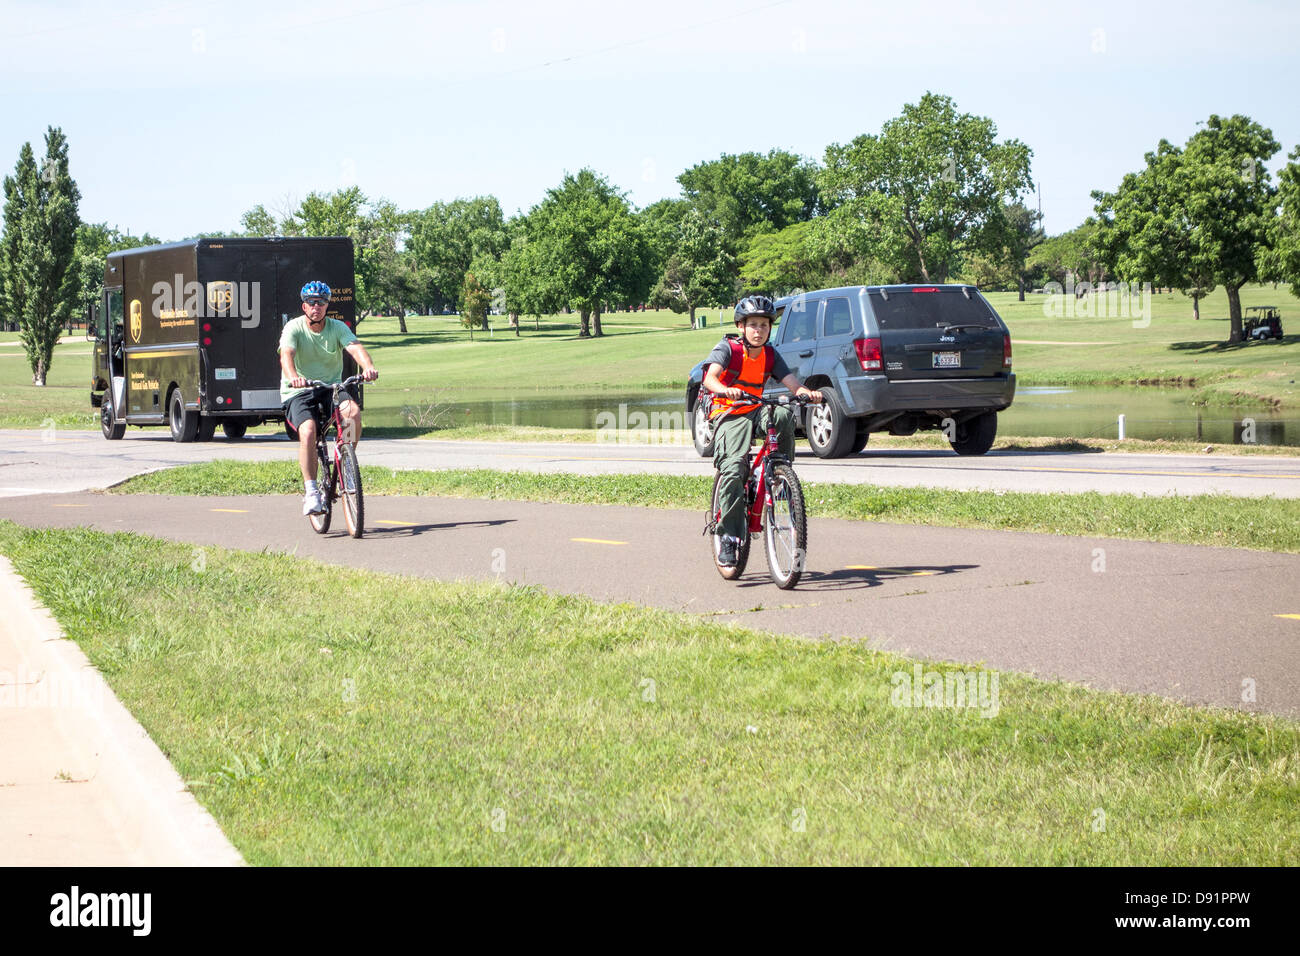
(316, 403)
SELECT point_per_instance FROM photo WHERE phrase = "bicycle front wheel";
(785, 527)
(354, 505)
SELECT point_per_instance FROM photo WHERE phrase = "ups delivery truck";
(186, 333)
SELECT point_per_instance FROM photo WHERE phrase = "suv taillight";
(1006, 351)
(869, 354)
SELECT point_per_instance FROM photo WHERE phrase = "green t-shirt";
(315, 355)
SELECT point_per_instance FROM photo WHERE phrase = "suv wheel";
(975, 435)
(830, 431)
(702, 428)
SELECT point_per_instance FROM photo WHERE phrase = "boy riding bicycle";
(312, 347)
(737, 371)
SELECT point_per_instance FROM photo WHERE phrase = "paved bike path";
(1200, 624)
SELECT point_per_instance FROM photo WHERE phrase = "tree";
(39, 273)
(586, 248)
(934, 182)
(475, 300)
(448, 236)
(750, 192)
(18, 192)
(1197, 216)
(1280, 261)
(93, 244)
(1070, 255)
(700, 272)
(258, 222)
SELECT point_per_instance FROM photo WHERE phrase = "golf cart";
(1262, 322)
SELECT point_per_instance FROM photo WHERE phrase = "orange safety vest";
(745, 373)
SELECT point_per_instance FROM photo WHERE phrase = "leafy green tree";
(41, 277)
(19, 189)
(259, 222)
(1280, 261)
(475, 300)
(934, 183)
(448, 236)
(1198, 216)
(752, 192)
(700, 272)
(1069, 257)
(590, 248)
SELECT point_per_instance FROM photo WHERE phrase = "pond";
(1056, 412)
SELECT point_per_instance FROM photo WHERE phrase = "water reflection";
(1151, 413)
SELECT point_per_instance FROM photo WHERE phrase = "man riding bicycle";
(738, 371)
(311, 348)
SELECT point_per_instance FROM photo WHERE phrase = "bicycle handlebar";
(351, 380)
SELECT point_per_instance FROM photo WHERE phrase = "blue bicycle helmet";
(315, 290)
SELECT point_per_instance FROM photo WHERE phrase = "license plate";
(947, 360)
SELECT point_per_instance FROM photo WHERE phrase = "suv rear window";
(906, 309)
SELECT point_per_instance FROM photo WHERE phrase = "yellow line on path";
(72, 506)
(230, 511)
(1294, 617)
(395, 522)
(597, 541)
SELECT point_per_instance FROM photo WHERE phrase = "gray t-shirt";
(721, 355)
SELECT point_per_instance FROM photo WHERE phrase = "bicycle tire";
(354, 504)
(325, 482)
(715, 539)
(785, 527)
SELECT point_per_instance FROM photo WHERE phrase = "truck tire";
(207, 428)
(108, 423)
(701, 428)
(234, 428)
(183, 422)
(975, 435)
(830, 430)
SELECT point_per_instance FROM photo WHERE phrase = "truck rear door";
(240, 330)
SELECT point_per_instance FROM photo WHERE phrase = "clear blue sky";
(181, 116)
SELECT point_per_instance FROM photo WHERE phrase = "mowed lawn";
(399, 721)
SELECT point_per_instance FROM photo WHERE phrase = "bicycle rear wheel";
(325, 482)
(715, 539)
(785, 527)
(354, 505)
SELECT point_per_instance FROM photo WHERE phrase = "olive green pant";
(731, 439)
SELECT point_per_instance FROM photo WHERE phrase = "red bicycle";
(773, 505)
(339, 475)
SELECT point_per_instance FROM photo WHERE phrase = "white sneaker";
(313, 503)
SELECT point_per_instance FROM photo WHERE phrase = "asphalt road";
(33, 462)
(1199, 624)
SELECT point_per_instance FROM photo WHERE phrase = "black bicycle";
(339, 475)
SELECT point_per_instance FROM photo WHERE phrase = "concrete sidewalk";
(81, 783)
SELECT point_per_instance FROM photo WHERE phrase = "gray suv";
(896, 359)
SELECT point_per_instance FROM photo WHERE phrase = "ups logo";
(221, 296)
(137, 320)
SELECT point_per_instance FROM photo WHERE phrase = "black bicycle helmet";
(755, 305)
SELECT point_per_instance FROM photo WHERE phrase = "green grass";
(1267, 524)
(398, 721)
(1174, 349)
